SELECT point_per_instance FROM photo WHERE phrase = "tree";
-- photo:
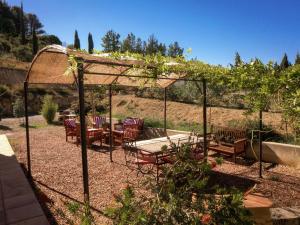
(16, 11)
(290, 79)
(129, 43)
(139, 46)
(76, 40)
(152, 45)
(284, 62)
(90, 43)
(35, 44)
(111, 41)
(162, 49)
(34, 23)
(49, 40)
(22, 24)
(6, 19)
(175, 50)
(297, 60)
(237, 61)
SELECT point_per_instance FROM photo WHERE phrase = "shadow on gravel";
(3, 127)
(67, 196)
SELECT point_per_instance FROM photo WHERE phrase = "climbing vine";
(258, 82)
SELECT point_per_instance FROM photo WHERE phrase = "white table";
(154, 146)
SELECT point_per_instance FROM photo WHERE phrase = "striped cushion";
(134, 121)
(99, 120)
(70, 123)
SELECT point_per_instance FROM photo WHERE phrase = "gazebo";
(49, 67)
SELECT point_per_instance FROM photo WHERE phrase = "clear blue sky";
(214, 29)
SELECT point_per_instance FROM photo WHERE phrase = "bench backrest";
(227, 133)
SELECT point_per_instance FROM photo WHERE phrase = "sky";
(213, 29)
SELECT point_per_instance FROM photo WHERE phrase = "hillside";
(129, 105)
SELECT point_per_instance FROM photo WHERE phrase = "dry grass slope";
(130, 105)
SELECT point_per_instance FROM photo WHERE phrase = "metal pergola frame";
(81, 89)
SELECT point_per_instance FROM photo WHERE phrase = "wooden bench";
(228, 141)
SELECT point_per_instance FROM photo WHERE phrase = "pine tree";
(90, 43)
(297, 60)
(237, 61)
(139, 46)
(129, 43)
(276, 66)
(152, 45)
(162, 49)
(111, 41)
(76, 41)
(34, 22)
(175, 50)
(35, 44)
(22, 23)
(284, 62)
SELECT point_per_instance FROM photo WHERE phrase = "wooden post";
(260, 142)
(165, 110)
(85, 175)
(110, 122)
(204, 121)
(27, 129)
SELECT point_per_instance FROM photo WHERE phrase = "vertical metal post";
(110, 124)
(260, 143)
(27, 128)
(165, 110)
(204, 120)
(85, 174)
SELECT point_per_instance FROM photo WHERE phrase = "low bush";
(49, 109)
(18, 109)
(183, 196)
(5, 46)
(23, 53)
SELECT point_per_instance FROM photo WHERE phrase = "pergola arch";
(126, 72)
(50, 64)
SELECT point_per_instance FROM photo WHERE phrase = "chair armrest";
(240, 140)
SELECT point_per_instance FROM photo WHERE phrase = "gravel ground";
(56, 169)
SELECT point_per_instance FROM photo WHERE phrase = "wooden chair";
(128, 142)
(134, 123)
(91, 136)
(70, 128)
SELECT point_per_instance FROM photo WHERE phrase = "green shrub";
(49, 109)
(4, 46)
(184, 196)
(23, 53)
(5, 92)
(18, 108)
(152, 122)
